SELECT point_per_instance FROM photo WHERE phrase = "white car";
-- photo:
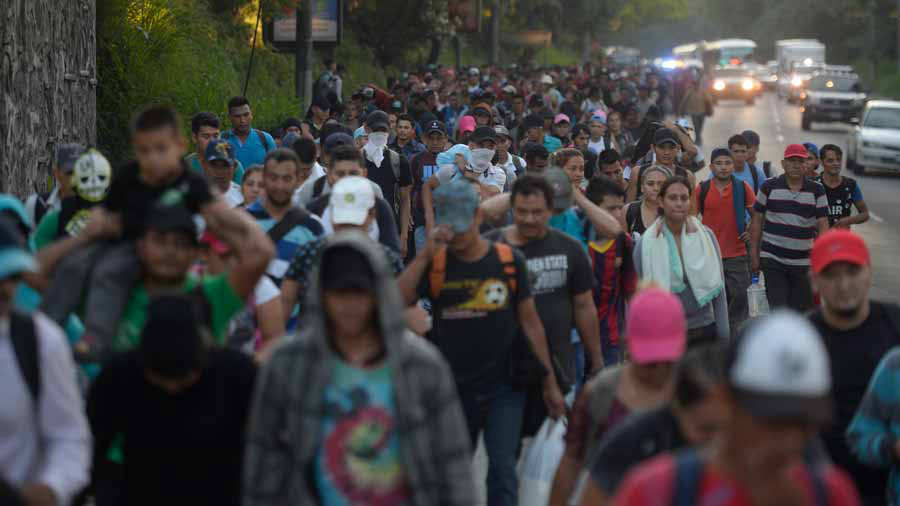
(875, 141)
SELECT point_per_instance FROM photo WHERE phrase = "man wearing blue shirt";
(250, 144)
(740, 148)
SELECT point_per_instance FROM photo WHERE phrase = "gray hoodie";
(284, 434)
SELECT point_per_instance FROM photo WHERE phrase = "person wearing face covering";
(390, 170)
(472, 162)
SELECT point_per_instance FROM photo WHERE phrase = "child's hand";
(103, 224)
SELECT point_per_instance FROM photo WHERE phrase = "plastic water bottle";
(756, 298)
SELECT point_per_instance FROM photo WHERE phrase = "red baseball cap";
(657, 329)
(795, 151)
(838, 245)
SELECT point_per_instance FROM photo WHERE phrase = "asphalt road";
(778, 124)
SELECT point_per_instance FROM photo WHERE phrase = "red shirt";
(718, 215)
(651, 484)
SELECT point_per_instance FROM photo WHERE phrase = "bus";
(728, 52)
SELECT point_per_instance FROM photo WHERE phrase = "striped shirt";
(790, 219)
(614, 281)
(286, 248)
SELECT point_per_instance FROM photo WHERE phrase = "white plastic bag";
(539, 463)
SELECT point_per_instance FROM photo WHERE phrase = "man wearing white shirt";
(218, 166)
(316, 186)
(45, 444)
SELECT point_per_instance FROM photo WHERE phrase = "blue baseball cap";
(14, 257)
(455, 205)
(219, 149)
(811, 148)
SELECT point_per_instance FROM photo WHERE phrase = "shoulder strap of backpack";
(319, 186)
(767, 169)
(517, 164)
(262, 139)
(632, 213)
(816, 468)
(755, 177)
(508, 260)
(23, 335)
(287, 223)
(437, 273)
(688, 474)
(701, 199)
(395, 163)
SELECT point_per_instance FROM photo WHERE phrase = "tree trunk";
(48, 82)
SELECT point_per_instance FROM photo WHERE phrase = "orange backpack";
(438, 271)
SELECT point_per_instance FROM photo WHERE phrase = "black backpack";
(41, 207)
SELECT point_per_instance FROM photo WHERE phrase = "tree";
(391, 29)
(47, 86)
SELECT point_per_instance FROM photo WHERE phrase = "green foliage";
(180, 52)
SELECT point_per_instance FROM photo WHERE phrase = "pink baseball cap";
(467, 124)
(656, 329)
(561, 118)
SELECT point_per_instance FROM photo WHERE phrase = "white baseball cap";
(351, 199)
(546, 79)
(779, 369)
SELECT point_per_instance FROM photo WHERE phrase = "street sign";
(327, 25)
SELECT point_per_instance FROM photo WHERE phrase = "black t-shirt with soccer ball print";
(475, 317)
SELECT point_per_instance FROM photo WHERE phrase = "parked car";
(875, 141)
(832, 97)
(734, 82)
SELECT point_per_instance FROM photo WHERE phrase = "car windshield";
(732, 73)
(834, 83)
(883, 117)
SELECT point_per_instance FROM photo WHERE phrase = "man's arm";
(531, 325)
(604, 223)
(589, 327)
(755, 239)
(289, 292)
(428, 202)
(822, 225)
(495, 207)
(861, 216)
(252, 247)
(405, 217)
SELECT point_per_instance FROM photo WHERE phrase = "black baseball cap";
(322, 103)
(377, 119)
(532, 121)
(174, 339)
(345, 268)
(435, 126)
(337, 139)
(664, 135)
(67, 155)
(171, 217)
(483, 133)
(535, 150)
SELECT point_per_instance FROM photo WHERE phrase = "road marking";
(779, 138)
(878, 219)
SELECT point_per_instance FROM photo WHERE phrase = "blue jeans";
(579, 365)
(497, 410)
(611, 354)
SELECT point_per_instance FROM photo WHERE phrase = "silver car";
(875, 141)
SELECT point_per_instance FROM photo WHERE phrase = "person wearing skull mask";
(90, 180)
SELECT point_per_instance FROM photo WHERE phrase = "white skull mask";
(91, 176)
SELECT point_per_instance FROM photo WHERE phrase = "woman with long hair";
(616, 136)
(680, 254)
(641, 213)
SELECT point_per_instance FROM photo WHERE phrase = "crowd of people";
(337, 311)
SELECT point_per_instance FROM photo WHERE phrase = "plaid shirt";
(285, 424)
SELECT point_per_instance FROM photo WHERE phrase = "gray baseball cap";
(455, 204)
(562, 188)
(67, 155)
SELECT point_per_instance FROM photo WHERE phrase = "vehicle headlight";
(719, 85)
(747, 84)
(796, 81)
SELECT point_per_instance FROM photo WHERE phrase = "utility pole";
(496, 10)
(304, 53)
